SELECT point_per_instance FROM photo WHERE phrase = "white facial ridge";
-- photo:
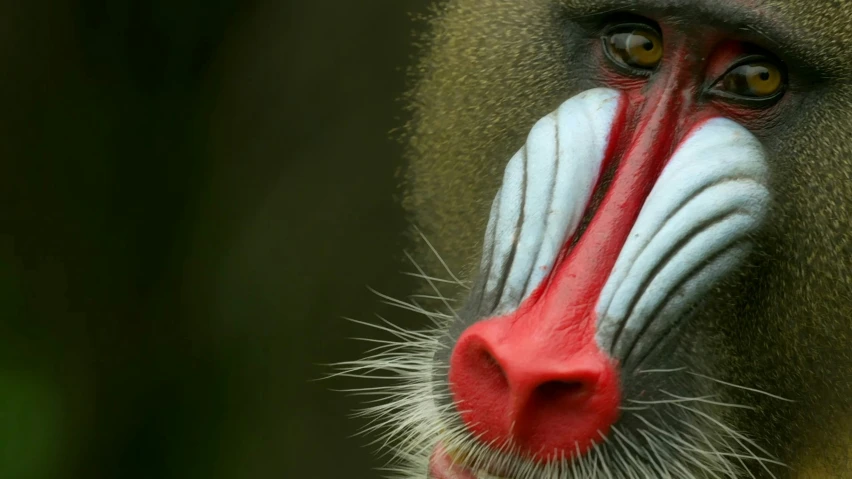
(547, 186)
(693, 230)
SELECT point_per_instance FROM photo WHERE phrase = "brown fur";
(492, 67)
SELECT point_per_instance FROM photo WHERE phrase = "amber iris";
(754, 80)
(635, 47)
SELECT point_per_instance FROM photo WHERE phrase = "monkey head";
(650, 203)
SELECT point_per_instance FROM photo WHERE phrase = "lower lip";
(441, 466)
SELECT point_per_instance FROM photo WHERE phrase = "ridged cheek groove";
(694, 229)
(546, 189)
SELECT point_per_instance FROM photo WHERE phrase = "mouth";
(442, 465)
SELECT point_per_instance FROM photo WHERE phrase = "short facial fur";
(765, 358)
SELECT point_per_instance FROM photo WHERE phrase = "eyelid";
(749, 59)
(612, 27)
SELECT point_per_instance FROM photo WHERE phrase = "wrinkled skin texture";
(491, 68)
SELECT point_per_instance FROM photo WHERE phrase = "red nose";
(549, 398)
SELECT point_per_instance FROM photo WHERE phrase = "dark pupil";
(764, 75)
(648, 45)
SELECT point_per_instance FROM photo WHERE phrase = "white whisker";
(438, 256)
(758, 391)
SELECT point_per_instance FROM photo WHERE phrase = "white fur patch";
(546, 189)
(692, 230)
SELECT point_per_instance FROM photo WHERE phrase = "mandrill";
(635, 221)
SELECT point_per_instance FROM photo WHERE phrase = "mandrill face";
(649, 205)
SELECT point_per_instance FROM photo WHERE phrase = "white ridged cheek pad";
(693, 229)
(546, 190)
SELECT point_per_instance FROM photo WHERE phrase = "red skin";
(537, 376)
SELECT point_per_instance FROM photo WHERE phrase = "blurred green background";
(192, 193)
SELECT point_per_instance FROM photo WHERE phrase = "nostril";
(491, 370)
(509, 391)
(558, 391)
(482, 380)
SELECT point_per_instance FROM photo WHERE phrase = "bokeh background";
(192, 194)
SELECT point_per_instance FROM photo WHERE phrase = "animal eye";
(637, 47)
(752, 80)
